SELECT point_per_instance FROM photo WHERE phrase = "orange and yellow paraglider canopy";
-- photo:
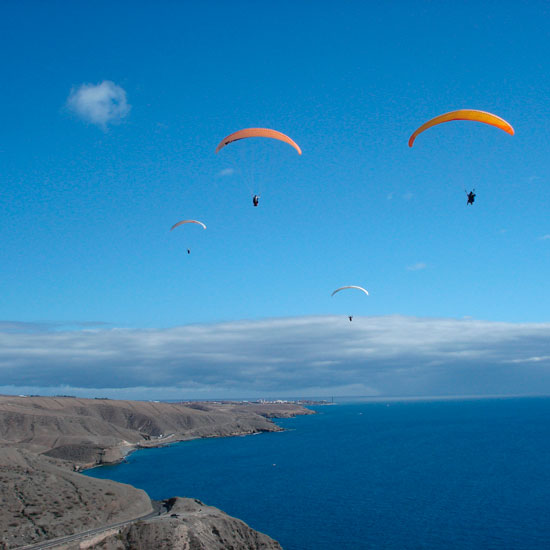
(464, 114)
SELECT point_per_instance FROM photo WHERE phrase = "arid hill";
(94, 431)
(45, 440)
(43, 500)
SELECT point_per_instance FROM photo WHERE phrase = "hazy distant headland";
(45, 441)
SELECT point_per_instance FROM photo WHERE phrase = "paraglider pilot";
(255, 200)
(350, 318)
(471, 197)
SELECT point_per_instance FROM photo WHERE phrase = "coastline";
(46, 442)
(268, 410)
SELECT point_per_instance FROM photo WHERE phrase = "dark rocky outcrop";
(189, 524)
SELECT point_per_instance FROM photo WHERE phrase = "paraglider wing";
(352, 286)
(464, 114)
(257, 132)
(187, 221)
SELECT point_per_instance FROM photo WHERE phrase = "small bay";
(431, 474)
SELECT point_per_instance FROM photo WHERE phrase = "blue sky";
(110, 118)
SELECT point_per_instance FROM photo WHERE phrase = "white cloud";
(101, 104)
(417, 266)
(302, 356)
(226, 172)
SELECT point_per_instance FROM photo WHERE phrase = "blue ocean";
(430, 474)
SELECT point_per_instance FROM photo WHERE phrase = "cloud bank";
(101, 104)
(302, 356)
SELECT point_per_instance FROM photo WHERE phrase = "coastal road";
(53, 543)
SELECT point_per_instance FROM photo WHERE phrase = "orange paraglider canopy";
(257, 132)
(464, 114)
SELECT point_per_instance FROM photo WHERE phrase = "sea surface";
(460, 474)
